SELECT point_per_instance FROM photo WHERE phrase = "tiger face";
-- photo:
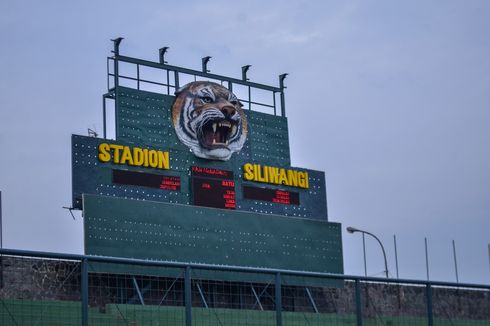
(209, 119)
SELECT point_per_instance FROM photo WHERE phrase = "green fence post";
(278, 300)
(358, 302)
(188, 296)
(84, 292)
(430, 315)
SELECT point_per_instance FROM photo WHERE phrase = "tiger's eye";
(207, 99)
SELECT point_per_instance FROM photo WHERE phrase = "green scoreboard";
(197, 174)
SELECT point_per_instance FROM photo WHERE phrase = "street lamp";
(350, 229)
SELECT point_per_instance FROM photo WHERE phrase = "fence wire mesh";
(460, 306)
(39, 291)
(46, 291)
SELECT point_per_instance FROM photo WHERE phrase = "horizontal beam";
(194, 72)
(142, 262)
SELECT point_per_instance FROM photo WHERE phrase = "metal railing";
(53, 288)
(172, 78)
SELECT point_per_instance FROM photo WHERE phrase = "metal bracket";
(70, 209)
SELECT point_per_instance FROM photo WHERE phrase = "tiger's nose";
(228, 110)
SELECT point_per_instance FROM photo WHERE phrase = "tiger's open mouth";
(217, 133)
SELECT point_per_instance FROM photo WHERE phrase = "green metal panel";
(159, 231)
(143, 118)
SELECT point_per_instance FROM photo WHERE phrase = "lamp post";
(350, 229)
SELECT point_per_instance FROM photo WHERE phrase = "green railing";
(40, 288)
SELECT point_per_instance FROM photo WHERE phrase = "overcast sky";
(390, 98)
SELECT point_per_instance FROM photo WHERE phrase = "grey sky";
(390, 98)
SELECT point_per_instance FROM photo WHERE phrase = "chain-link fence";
(61, 289)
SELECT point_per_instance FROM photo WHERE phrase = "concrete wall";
(44, 279)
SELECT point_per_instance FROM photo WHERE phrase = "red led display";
(273, 195)
(143, 179)
(213, 188)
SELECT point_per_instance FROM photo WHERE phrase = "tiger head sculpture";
(209, 119)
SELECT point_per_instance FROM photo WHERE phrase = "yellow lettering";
(256, 172)
(138, 156)
(273, 174)
(303, 179)
(145, 157)
(163, 160)
(104, 155)
(293, 177)
(116, 149)
(248, 171)
(283, 179)
(126, 156)
(153, 158)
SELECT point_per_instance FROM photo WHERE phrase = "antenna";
(161, 54)
(92, 133)
(244, 72)
(205, 61)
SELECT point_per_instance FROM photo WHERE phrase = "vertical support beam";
(274, 101)
(283, 101)
(1, 222)
(177, 86)
(278, 299)
(1, 242)
(104, 113)
(364, 253)
(116, 41)
(426, 258)
(455, 262)
(249, 98)
(188, 296)
(489, 255)
(84, 291)
(116, 91)
(430, 315)
(358, 302)
(138, 76)
(396, 256)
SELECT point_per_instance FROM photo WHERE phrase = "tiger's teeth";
(226, 143)
(214, 127)
(214, 141)
(233, 129)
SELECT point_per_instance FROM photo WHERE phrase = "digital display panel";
(272, 195)
(143, 179)
(213, 188)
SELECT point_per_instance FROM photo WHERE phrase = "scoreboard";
(213, 188)
(149, 194)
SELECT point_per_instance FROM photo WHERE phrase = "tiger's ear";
(180, 90)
